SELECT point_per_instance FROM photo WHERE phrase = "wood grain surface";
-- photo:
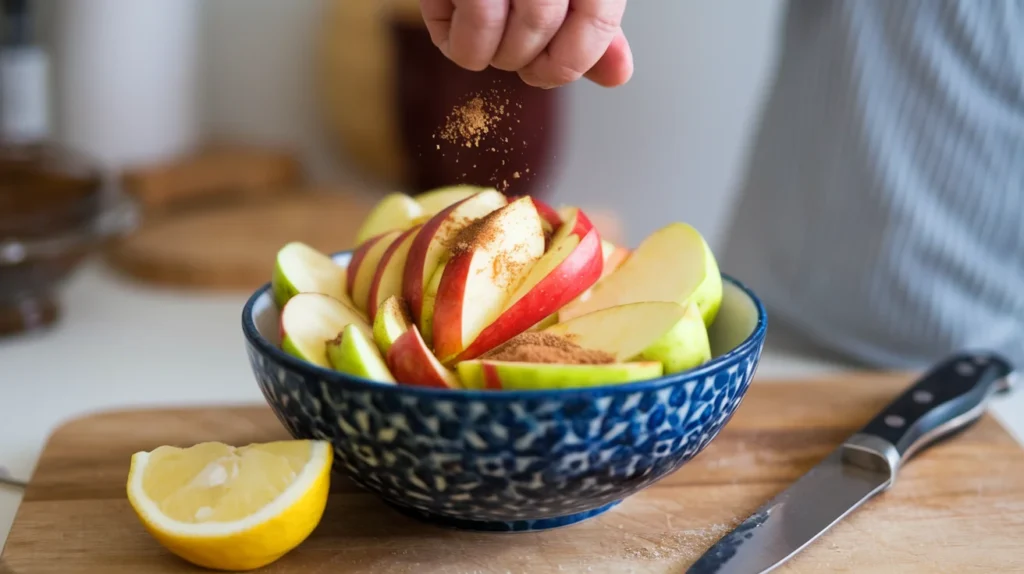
(957, 508)
(232, 247)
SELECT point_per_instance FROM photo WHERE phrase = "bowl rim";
(329, 376)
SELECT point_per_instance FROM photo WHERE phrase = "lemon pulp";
(231, 508)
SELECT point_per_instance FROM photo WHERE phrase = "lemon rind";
(302, 484)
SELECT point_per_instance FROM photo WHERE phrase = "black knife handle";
(948, 398)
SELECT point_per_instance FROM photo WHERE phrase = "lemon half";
(229, 508)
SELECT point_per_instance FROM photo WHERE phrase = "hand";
(549, 43)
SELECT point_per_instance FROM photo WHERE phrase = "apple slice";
(434, 238)
(356, 262)
(614, 257)
(355, 354)
(367, 269)
(575, 223)
(310, 320)
(301, 269)
(673, 264)
(391, 322)
(387, 280)
(396, 211)
(432, 202)
(569, 268)
(548, 215)
(504, 375)
(426, 323)
(488, 262)
(669, 333)
(412, 363)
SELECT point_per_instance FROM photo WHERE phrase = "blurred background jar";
(52, 207)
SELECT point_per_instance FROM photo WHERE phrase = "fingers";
(531, 25)
(437, 15)
(476, 31)
(548, 42)
(615, 67)
(579, 45)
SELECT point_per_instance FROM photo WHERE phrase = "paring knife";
(947, 399)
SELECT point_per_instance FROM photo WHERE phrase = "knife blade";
(947, 399)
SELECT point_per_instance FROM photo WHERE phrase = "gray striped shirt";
(882, 214)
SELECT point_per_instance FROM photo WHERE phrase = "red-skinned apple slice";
(487, 264)
(387, 280)
(548, 215)
(569, 268)
(356, 262)
(412, 363)
(433, 239)
(576, 223)
(368, 269)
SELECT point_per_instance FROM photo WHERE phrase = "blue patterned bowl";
(509, 460)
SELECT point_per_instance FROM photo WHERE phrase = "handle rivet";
(895, 421)
(964, 369)
(922, 397)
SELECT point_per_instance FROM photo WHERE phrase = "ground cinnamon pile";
(535, 347)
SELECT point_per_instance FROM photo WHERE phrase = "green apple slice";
(396, 211)
(683, 347)
(673, 264)
(504, 375)
(310, 320)
(434, 201)
(301, 269)
(429, 302)
(353, 353)
(670, 333)
(391, 322)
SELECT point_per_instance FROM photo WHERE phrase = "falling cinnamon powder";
(470, 122)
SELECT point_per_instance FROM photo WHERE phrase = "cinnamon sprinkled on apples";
(540, 347)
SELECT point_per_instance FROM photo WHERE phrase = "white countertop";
(122, 343)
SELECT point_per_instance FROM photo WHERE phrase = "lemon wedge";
(230, 508)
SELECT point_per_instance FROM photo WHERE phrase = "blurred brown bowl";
(53, 213)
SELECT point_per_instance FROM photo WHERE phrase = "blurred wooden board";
(232, 246)
(957, 508)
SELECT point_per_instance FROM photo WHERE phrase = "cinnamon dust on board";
(535, 347)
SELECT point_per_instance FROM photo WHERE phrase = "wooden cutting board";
(231, 247)
(958, 508)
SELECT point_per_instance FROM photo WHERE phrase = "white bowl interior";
(736, 319)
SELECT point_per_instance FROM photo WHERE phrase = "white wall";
(668, 146)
